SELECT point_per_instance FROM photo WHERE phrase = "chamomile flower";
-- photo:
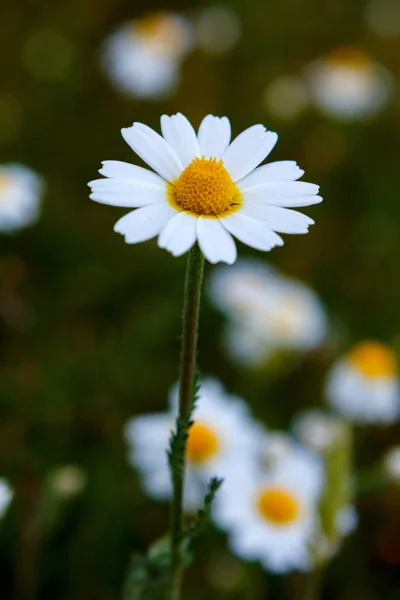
(364, 385)
(143, 57)
(20, 196)
(391, 464)
(222, 435)
(205, 188)
(348, 84)
(318, 429)
(271, 514)
(6, 495)
(267, 312)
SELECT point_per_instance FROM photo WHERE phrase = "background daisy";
(20, 197)
(364, 385)
(267, 312)
(272, 515)
(223, 435)
(143, 57)
(348, 84)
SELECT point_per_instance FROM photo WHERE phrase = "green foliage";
(148, 575)
(178, 439)
(204, 514)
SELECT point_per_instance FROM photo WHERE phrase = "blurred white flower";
(286, 97)
(67, 481)
(348, 84)
(391, 464)
(6, 495)
(318, 429)
(20, 197)
(142, 58)
(364, 385)
(218, 29)
(270, 513)
(223, 436)
(383, 17)
(267, 312)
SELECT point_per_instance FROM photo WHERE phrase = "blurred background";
(90, 326)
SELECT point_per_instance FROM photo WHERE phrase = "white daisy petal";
(179, 234)
(248, 150)
(281, 170)
(125, 192)
(154, 150)
(122, 170)
(279, 219)
(144, 223)
(215, 242)
(278, 189)
(252, 233)
(181, 136)
(214, 136)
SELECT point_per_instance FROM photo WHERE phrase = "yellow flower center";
(206, 189)
(202, 443)
(4, 182)
(278, 506)
(349, 56)
(159, 29)
(373, 359)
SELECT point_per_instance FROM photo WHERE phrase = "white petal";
(280, 189)
(154, 150)
(290, 193)
(248, 150)
(125, 192)
(252, 233)
(179, 234)
(278, 219)
(215, 242)
(122, 170)
(214, 136)
(144, 223)
(281, 170)
(181, 136)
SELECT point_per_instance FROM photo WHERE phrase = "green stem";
(191, 307)
(313, 586)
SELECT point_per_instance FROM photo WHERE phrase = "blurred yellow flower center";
(4, 182)
(373, 359)
(158, 28)
(205, 188)
(351, 57)
(278, 506)
(202, 443)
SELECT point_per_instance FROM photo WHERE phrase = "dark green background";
(90, 326)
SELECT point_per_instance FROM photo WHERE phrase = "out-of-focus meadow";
(90, 326)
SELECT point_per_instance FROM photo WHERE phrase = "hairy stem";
(191, 307)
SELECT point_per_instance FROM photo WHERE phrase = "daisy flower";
(222, 435)
(364, 385)
(271, 514)
(318, 429)
(6, 495)
(348, 84)
(20, 196)
(205, 188)
(267, 312)
(143, 57)
(391, 464)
